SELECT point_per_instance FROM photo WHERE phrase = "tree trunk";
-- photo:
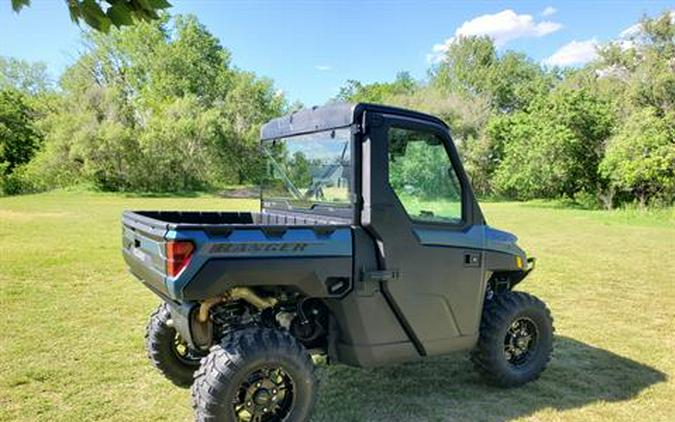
(607, 197)
(642, 197)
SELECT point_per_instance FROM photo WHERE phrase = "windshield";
(308, 170)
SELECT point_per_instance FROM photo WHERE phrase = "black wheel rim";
(266, 394)
(520, 341)
(183, 352)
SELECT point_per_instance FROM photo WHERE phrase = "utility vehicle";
(369, 248)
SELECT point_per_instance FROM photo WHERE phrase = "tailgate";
(143, 247)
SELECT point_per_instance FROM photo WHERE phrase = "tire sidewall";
(167, 337)
(303, 387)
(540, 354)
(161, 350)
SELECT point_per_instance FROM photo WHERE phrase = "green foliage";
(465, 116)
(154, 107)
(469, 66)
(473, 67)
(640, 79)
(525, 131)
(421, 169)
(251, 102)
(102, 14)
(179, 148)
(378, 92)
(553, 149)
(643, 69)
(29, 78)
(19, 138)
(640, 158)
(299, 170)
(158, 106)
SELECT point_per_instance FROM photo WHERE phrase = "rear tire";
(255, 374)
(167, 351)
(515, 341)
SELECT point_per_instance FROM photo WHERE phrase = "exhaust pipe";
(243, 293)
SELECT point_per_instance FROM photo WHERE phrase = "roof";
(330, 117)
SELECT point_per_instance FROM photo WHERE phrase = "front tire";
(515, 341)
(167, 351)
(255, 374)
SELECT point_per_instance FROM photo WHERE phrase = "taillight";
(178, 254)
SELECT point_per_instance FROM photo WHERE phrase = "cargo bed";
(221, 238)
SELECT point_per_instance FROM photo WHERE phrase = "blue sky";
(310, 48)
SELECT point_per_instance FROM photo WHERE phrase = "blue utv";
(369, 248)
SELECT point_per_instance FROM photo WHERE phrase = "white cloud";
(630, 32)
(548, 11)
(573, 53)
(580, 52)
(502, 27)
(322, 67)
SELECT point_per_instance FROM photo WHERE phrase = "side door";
(419, 207)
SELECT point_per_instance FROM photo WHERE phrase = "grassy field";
(72, 323)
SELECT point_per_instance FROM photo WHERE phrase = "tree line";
(159, 106)
(601, 135)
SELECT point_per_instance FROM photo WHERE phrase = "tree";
(638, 76)
(378, 92)
(19, 138)
(553, 149)
(156, 106)
(469, 66)
(299, 171)
(102, 14)
(180, 148)
(193, 62)
(644, 66)
(250, 103)
(421, 167)
(23, 76)
(472, 67)
(640, 158)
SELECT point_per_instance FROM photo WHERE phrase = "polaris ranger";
(369, 248)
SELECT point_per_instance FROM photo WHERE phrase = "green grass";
(72, 322)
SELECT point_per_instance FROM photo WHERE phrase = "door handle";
(472, 259)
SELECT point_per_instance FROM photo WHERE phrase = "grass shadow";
(446, 388)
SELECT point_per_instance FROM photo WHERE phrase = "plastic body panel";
(284, 248)
(370, 333)
(305, 274)
(438, 298)
(143, 246)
